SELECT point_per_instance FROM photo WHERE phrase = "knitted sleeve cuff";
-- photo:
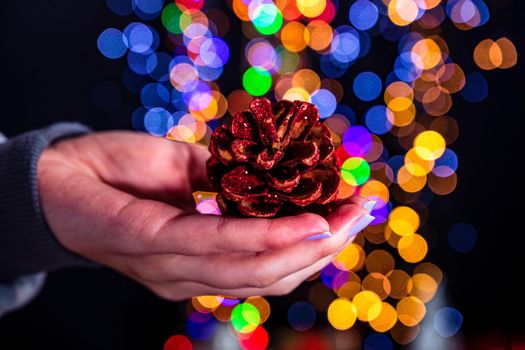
(26, 243)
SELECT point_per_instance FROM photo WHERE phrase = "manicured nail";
(319, 236)
(369, 205)
(361, 224)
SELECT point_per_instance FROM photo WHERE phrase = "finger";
(177, 291)
(353, 200)
(197, 167)
(207, 234)
(258, 270)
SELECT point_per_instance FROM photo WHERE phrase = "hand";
(125, 200)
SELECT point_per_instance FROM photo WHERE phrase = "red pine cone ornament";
(274, 160)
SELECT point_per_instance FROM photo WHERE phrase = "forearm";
(26, 243)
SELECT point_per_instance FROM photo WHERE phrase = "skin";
(124, 200)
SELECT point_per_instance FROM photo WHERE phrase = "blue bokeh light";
(376, 120)
(377, 341)
(447, 321)
(139, 37)
(120, 7)
(462, 237)
(301, 316)
(367, 86)
(325, 102)
(158, 121)
(154, 95)
(446, 165)
(476, 88)
(112, 43)
(363, 14)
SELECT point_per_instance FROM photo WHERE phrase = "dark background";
(50, 65)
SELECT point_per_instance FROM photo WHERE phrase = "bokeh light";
(301, 316)
(462, 237)
(447, 321)
(397, 149)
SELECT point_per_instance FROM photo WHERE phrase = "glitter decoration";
(395, 145)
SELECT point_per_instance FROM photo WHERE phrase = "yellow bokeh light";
(424, 287)
(321, 34)
(403, 117)
(294, 36)
(412, 248)
(350, 258)
(416, 165)
(375, 190)
(262, 305)
(377, 283)
(429, 145)
(207, 302)
(426, 54)
(348, 289)
(400, 282)
(311, 8)
(403, 220)
(386, 319)
(297, 93)
(410, 311)
(402, 12)
(410, 183)
(306, 79)
(368, 305)
(342, 314)
(380, 261)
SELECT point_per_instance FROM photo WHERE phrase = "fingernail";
(319, 236)
(361, 224)
(369, 205)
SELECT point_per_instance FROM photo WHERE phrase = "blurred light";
(311, 8)
(257, 81)
(112, 43)
(377, 341)
(462, 237)
(410, 311)
(325, 102)
(355, 171)
(177, 342)
(158, 121)
(120, 7)
(342, 314)
(363, 14)
(256, 340)
(476, 88)
(301, 316)
(368, 305)
(367, 86)
(140, 38)
(412, 248)
(447, 321)
(245, 318)
(403, 221)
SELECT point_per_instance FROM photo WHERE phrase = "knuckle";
(275, 241)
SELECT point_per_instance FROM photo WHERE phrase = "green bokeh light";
(245, 318)
(269, 21)
(355, 171)
(171, 18)
(257, 81)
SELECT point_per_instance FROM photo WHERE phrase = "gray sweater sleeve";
(26, 243)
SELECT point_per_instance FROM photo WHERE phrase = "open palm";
(125, 200)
